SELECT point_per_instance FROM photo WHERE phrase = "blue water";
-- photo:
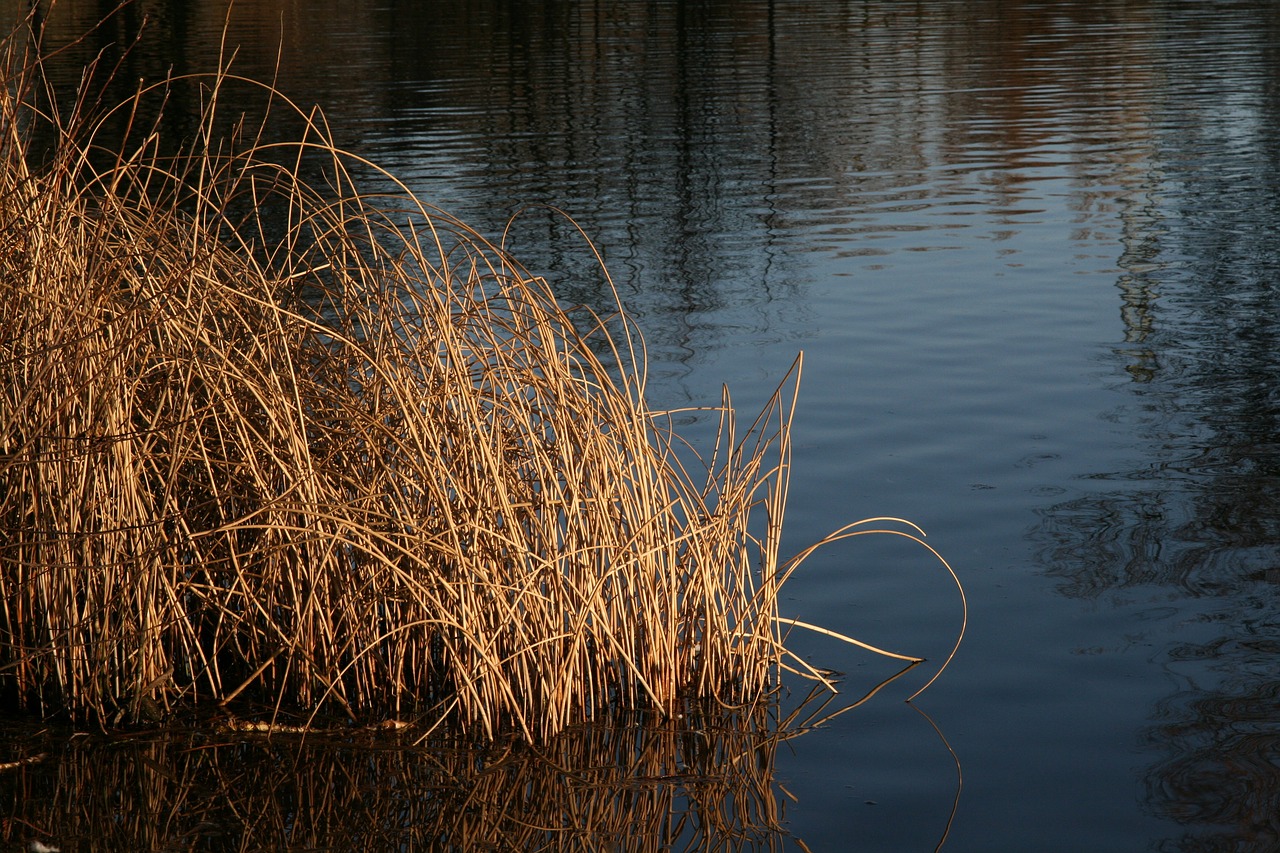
(1029, 252)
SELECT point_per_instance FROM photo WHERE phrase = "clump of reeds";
(265, 435)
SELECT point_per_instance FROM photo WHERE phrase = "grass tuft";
(265, 435)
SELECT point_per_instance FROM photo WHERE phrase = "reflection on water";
(1030, 249)
(704, 781)
(1200, 515)
(641, 785)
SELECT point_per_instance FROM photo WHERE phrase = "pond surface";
(1031, 253)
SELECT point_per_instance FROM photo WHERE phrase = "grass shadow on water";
(702, 781)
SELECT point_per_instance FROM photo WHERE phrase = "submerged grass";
(266, 436)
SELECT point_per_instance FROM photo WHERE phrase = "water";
(1029, 251)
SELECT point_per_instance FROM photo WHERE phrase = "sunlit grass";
(266, 435)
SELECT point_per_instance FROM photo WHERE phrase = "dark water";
(1031, 254)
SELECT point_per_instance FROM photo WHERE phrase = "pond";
(1030, 253)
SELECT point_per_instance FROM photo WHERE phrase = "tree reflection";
(1222, 776)
(1201, 516)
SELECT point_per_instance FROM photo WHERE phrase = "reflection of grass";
(702, 782)
(265, 436)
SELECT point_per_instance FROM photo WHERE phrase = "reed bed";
(266, 436)
(350, 455)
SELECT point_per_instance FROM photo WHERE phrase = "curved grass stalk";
(852, 530)
(783, 620)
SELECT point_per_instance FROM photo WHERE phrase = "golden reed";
(266, 436)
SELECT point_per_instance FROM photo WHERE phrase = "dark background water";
(1030, 252)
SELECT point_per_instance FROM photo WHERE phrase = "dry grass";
(263, 435)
